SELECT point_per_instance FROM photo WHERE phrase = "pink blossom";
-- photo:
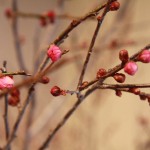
(144, 56)
(6, 82)
(131, 68)
(54, 53)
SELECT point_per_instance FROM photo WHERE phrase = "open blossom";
(54, 53)
(144, 56)
(131, 68)
(6, 82)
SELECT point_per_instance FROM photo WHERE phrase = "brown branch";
(120, 86)
(6, 123)
(16, 37)
(114, 70)
(38, 16)
(99, 23)
(6, 117)
(14, 73)
(146, 95)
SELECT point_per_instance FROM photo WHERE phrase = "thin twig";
(19, 118)
(116, 86)
(99, 23)
(6, 117)
(14, 73)
(16, 37)
(38, 16)
(6, 122)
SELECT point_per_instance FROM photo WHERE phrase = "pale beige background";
(103, 121)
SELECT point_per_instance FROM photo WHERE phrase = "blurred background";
(103, 121)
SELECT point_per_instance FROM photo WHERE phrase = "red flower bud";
(15, 92)
(8, 13)
(56, 91)
(43, 22)
(84, 84)
(99, 18)
(13, 100)
(101, 72)
(143, 97)
(44, 80)
(144, 56)
(114, 6)
(51, 15)
(118, 93)
(131, 68)
(136, 91)
(119, 77)
(123, 56)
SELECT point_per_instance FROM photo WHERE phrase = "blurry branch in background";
(16, 37)
(6, 122)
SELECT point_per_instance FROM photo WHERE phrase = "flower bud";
(118, 93)
(143, 97)
(123, 56)
(54, 53)
(13, 100)
(136, 91)
(56, 91)
(119, 77)
(6, 82)
(83, 85)
(51, 15)
(114, 6)
(44, 80)
(144, 56)
(131, 68)
(8, 13)
(15, 92)
(101, 72)
(43, 22)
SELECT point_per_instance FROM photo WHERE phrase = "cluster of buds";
(57, 91)
(114, 6)
(130, 67)
(54, 53)
(48, 17)
(14, 98)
